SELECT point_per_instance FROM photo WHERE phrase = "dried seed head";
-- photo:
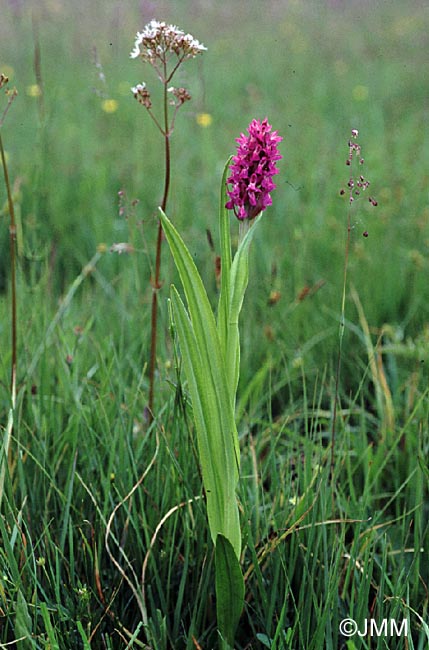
(3, 80)
(360, 181)
(181, 94)
(142, 95)
(357, 183)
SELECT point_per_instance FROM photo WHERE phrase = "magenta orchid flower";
(252, 170)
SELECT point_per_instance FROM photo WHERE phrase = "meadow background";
(318, 550)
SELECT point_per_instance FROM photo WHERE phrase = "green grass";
(316, 550)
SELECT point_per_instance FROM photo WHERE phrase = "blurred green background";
(315, 69)
(74, 138)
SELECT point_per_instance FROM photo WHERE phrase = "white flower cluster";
(158, 38)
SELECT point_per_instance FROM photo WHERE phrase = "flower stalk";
(165, 48)
(5, 451)
(356, 185)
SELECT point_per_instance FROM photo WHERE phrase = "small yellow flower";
(34, 90)
(204, 119)
(109, 105)
(360, 93)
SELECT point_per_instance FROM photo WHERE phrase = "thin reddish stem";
(156, 282)
(12, 238)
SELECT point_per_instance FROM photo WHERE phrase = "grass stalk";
(340, 345)
(357, 184)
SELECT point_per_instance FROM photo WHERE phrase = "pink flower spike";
(252, 170)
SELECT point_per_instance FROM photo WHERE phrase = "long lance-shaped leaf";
(225, 265)
(199, 308)
(203, 321)
(218, 476)
(216, 429)
(238, 284)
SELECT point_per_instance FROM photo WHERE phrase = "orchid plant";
(210, 348)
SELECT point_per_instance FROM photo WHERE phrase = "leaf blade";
(226, 261)
(218, 475)
(238, 284)
(229, 590)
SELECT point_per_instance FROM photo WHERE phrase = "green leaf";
(215, 440)
(23, 623)
(205, 370)
(229, 591)
(199, 308)
(4, 448)
(53, 641)
(238, 284)
(264, 639)
(226, 260)
(86, 644)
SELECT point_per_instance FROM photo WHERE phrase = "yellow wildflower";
(204, 119)
(109, 105)
(34, 90)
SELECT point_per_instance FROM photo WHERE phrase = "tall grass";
(318, 550)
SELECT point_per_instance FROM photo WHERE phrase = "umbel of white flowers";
(158, 40)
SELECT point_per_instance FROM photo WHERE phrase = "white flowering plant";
(164, 47)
